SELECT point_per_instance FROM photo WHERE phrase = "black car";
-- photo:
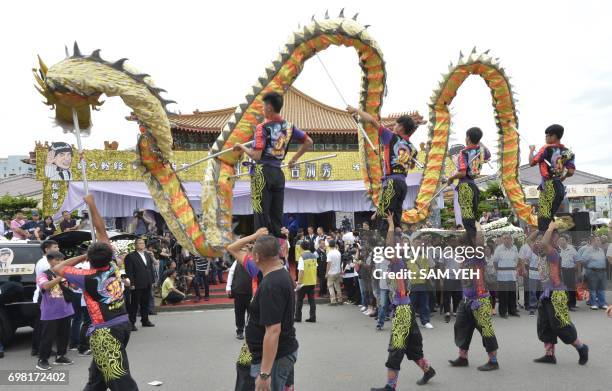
(18, 280)
(17, 286)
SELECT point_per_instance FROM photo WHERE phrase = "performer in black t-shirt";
(110, 326)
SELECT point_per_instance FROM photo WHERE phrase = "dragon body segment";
(302, 45)
(78, 81)
(485, 66)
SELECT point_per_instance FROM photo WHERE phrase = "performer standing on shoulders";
(405, 334)
(399, 157)
(475, 309)
(553, 313)
(468, 168)
(110, 326)
(556, 163)
(272, 138)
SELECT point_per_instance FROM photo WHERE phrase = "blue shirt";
(593, 258)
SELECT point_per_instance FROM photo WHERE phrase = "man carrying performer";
(270, 351)
(272, 138)
(556, 162)
(470, 160)
(553, 313)
(399, 157)
(405, 334)
(110, 326)
(474, 312)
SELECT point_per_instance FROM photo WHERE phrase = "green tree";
(9, 205)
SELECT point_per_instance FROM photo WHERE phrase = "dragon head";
(64, 99)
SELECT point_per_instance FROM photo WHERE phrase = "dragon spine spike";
(76, 52)
(366, 26)
(66, 51)
(166, 102)
(141, 76)
(341, 14)
(119, 64)
(158, 90)
(312, 19)
(95, 55)
(326, 14)
(474, 50)
(355, 16)
(487, 51)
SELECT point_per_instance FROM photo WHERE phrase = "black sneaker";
(426, 376)
(43, 365)
(240, 335)
(489, 366)
(584, 354)
(73, 348)
(459, 362)
(62, 360)
(297, 320)
(385, 388)
(311, 320)
(546, 359)
(447, 317)
(1, 354)
(515, 314)
(85, 353)
(134, 328)
(34, 353)
(148, 324)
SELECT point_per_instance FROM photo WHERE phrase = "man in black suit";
(311, 237)
(139, 269)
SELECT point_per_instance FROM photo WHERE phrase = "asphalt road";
(197, 351)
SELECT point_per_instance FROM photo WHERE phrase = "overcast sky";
(207, 54)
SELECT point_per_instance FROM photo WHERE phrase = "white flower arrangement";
(500, 227)
(500, 223)
(122, 247)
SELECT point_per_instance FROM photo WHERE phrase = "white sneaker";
(362, 308)
(594, 307)
(428, 325)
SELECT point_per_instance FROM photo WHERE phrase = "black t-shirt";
(274, 302)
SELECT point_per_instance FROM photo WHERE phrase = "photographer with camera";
(141, 224)
(349, 277)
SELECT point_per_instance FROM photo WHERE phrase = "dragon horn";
(326, 14)
(43, 67)
(341, 15)
(355, 16)
(76, 50)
